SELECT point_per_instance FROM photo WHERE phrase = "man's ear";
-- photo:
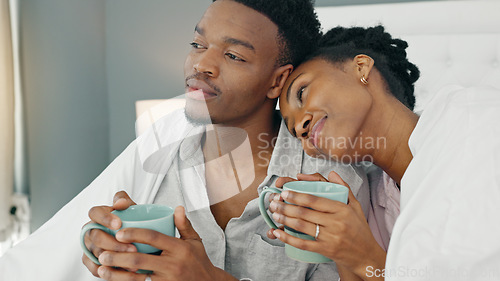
(279, 78)
(364, 65)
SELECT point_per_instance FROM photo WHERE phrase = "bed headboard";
(452, 42)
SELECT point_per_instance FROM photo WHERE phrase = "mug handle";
(262, 206)
(86, 228)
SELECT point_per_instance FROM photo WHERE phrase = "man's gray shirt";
(243, 249)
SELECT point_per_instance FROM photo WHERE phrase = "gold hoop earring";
(363, 80)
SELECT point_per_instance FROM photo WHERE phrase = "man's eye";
(233, 57)
(300, 92)
(196, 45)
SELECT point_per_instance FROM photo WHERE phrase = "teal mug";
(149, 216)
(327, 190)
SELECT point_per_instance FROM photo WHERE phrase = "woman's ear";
(364, 65)
(279, 78)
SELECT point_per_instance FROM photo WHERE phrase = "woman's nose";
(302, 127)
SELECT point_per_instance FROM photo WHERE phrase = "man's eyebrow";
(199, 30)
(228, 40)
(290, 87)
(234, 41)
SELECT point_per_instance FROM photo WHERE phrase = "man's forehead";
(233, 18)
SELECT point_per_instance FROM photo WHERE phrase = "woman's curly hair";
(389, 54)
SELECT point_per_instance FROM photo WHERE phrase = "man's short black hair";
(299, 29)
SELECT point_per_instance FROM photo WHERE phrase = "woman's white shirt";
(449, 226)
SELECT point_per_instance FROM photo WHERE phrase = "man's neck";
(231, 178)
(260, 136)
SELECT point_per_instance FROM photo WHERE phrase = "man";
(243, 51)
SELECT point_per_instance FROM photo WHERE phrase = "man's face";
(229, 69)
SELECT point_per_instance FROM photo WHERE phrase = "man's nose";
(207, 63)
(303, 126)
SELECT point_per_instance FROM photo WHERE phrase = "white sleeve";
(449, 226)
(52, 252)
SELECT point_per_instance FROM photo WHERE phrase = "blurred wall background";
(84, 64)
(66, 105)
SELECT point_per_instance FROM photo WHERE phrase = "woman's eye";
(196, 45)
(233, 57)
(300, 92)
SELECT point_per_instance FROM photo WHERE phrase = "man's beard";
(197, 120)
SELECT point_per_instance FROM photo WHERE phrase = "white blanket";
(449, 229)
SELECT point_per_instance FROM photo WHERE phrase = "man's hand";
(181, 258)
(98, 241)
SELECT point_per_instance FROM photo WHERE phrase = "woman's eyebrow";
(290, 87)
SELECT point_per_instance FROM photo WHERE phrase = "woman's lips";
(316, 130)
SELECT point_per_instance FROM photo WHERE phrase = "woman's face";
(326, 106)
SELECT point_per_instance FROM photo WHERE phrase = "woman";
(357, 88)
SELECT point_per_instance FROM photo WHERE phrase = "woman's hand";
(344, 234)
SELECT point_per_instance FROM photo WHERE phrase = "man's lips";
(199, 90)
(198, 94)
(316, 130)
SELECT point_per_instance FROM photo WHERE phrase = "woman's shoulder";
(454, 112)
(459, 102)
(466, 98)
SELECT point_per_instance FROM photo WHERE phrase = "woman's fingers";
(301, 225)
(322, 205)
(314, 202)
(304, 219)
(335, 178)
(344, 234)
(282, 180)
(270, 233)
(279, 184)
(355, 205)
(308, 245)
(352, 201)
(275, 197)
(293, 211)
